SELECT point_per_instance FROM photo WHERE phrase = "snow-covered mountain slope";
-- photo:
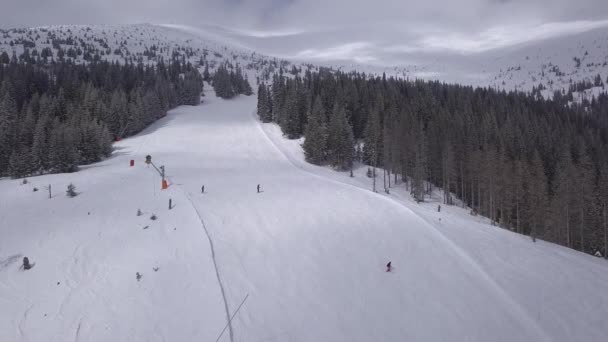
(135, 43)
(554, 63)
(308, 252)
(550, 62)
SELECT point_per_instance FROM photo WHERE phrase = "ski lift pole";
(160, 170)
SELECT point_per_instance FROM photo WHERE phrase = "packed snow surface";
(308, 252)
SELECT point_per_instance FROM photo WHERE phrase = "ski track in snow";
(217, 271)
(78, 331)
(23, 320)
(4, 263)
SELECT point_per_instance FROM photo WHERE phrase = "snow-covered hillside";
(553, 64)
(308, 253)
(137, 43)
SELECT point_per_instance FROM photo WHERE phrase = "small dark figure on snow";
(138, 276)
(439, 208)
(258, 188)
(389, 267)
(203, 189)
(71, 192)
(26, 263)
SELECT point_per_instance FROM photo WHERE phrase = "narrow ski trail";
(215, 266)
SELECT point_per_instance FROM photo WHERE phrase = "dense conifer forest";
(534, 166)
(229, 83)
(57, 115)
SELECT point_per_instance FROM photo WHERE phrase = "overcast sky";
(368, 31)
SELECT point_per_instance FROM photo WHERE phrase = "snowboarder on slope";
(258, 188)
(389, 267)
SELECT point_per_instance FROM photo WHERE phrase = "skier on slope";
(389, 267)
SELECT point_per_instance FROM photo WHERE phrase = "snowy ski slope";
(309, 251)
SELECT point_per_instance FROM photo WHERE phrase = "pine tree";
(222, 83)
(116, 113)
(242, 83)
(584, 197)
(563, 206)
(278, 98)
(449, 172)
(40, 146)
(20, 163)
(263, 105)
(63, 154)
(206, 75)
(4, 59)
(372, 148)
(419, 173)
(603, 195)
(291, 123)
(8, 117)
(537, 194)
(340, 140)
(315, 142)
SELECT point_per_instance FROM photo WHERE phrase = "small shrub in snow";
(71, 191)
(35, 189)
(26, 263)
(24, 181)
(139, 213)
(153, 217)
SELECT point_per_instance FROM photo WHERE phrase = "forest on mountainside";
(228, 81)
(55, 116)
(534, 166)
